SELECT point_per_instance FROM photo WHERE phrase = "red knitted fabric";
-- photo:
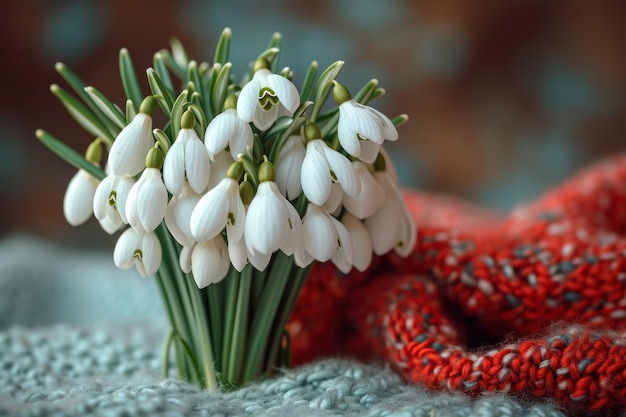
(533, 304)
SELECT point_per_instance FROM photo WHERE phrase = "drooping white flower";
(392, 226)
(109, 202)
(241, 253)
(322, 166)
(186, 160)
(178, 213)
(220, 208)
(272, 223)
(289, 166)
(147, 201)
(209, 262)
(127, 155)
(228, 130)
(78, 199)
(361, 244)
(324, 235)
(141, 250)
(365, 203)
(361, 129)
(261, 98)
(219, 167)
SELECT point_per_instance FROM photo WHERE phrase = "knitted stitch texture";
(532, 305)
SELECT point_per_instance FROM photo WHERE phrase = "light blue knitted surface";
(80, 338)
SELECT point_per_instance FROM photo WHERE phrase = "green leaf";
(129, 77)
(131, 111)
(365, 93)
(309, 81)
(111, 111)
(179, 55)
(177, 112)
(163, 139)
(274, 44)
(163, 95)
(197, 111)
(400, 120)
(68, 154)
(251, 169)
(193, 77)
(160, 67)
(323, 87)
(81, 114)
(222, 49)
(219, 89)
(171, 64)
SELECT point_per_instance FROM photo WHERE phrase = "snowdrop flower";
(324, 235)
(261, 98)
(361, 245)
(186, 159)
(220, 208)
(209, 262)
(109, 202)
(147, 198)
(240, 253)
(220, 164)
(141, 250)
(361, 129)
(272, 223)
(365, 203)
(227, 130)
(78, 199)
(128, 152)
(289, 166)
(177, 215)
(392, 226)
(322, 166)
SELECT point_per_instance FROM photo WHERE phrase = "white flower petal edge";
(147, 201)
(109, 202)
(127, 155)
(188, 160)
(178, 213)
(269, 221)
(78, 198)
(361, 241)
(227, 129)
(320, 233)
(209, 262)
(344, 256)
(220, 208)
(392, 226)
(370, 198)
(289, 167)
(141, 250)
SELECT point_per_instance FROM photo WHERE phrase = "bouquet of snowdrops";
(230, 202)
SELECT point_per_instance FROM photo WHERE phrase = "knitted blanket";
(523, 315)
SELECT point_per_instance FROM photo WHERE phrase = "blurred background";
(505, 99)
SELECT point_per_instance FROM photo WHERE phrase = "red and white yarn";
(499, 283)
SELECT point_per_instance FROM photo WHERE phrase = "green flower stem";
(215, 294)
(297, 277)
(203, 338)
(238, 338)
(166, 352)
(278, 276)
(232, 287)
(257, 289)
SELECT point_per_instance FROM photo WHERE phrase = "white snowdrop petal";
(348, 138)
(210, 215)
(369, 151)
(220, 131)
(79, 197)
(361, 241)
(289, 166)
(236, 223)
(123, 186)
(219, 167)
(334, 199)
(172, 223)
(128, 153)
(342, 168)
(389, 129)
(319, 234)
(286, 92)
(207, 262)
(124, 251)
(371, 196)
(197, 164)
(111, 225)
(258, 260)
(294, 240)
(174, 166)
(242, 139)
(315, 175)
(101, 197)
(131, 213)
(151, 254)
(267, 220)
(248, 99)
(365, 121)
(263, 119)
(151, 200)
(238, 254)
(344, 239)
(184, 260)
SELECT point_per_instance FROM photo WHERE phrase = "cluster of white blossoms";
(227, 204)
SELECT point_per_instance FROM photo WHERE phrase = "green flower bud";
(246, 191)
(266, 171)
(261, 63)
(94, 152)
(188, 120)
(341, 93)
(154, 159)
(312, 132)
(235, 170)
(230, 102)
(148, 105)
